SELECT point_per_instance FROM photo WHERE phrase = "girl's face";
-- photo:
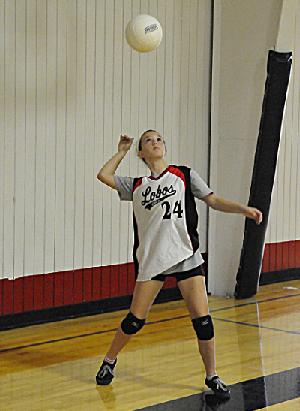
(152, 146)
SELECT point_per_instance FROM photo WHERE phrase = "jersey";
(196, 187)
(165, 221)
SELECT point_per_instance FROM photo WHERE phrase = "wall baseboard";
(79, 310)
(279, 276)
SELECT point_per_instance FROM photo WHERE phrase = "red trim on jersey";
(163, 173)
(171, 169)
(178, 173)
(137, 184)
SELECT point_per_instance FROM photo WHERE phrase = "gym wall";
(244, 31)
(69, 86)
(282, 251)
(243, 34)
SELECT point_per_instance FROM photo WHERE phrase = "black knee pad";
(131, 324)
(204, 327)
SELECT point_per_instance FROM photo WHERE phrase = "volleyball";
(144, 33)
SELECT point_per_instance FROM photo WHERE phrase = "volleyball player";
(166, 243)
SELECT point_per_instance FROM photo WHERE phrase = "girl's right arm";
(106, 174)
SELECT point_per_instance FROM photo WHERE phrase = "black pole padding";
(278, 72)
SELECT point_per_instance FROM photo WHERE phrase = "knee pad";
(204, 327)
(131, 324)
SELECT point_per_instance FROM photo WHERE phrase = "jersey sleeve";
(198, 186)
(124, 187)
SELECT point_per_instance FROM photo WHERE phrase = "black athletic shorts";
(183, 275)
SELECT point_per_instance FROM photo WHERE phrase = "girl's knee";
(132, 324)
(204, 327)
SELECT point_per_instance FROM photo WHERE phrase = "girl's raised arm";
(106, 174)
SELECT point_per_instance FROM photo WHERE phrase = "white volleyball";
(144, 33)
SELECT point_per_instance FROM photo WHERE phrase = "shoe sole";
(103, 382)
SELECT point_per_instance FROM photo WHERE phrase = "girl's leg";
(194, 294)
(144, 295)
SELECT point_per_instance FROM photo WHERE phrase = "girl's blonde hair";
(142, 135)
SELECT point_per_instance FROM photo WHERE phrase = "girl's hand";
(254, 214)
(125, 143)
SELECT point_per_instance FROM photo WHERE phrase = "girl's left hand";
(254, 214)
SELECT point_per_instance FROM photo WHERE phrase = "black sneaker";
(218, 387)
(106, 373)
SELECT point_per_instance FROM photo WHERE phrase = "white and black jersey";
(165, 221)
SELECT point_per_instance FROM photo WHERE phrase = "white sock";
(210, 377)
(106, 359)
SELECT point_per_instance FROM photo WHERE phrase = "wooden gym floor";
(53, 366)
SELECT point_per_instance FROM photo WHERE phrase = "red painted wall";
(281, 256)
(41, 291)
